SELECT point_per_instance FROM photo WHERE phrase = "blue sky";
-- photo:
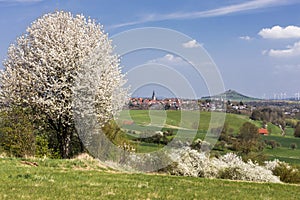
(255, 44)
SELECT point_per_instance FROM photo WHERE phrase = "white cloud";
(191, 44)
(170, 60)
(246, 6)
(278, 32)
(245, 38)
(225, 10)
(290, 51)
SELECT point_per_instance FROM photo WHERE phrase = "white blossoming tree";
(43, 64)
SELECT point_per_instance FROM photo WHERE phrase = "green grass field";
(284, 152)
(196, 124)
(82, 179)
(190, 120)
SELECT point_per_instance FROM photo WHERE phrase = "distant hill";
(231, 95)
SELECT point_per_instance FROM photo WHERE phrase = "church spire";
(153, 96)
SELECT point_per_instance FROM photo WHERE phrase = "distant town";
(229, 101)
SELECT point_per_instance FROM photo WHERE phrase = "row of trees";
(276, 116)
(273, 115)
(62, 67)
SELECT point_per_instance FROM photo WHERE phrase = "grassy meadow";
(85, 179)
(196, 124)
(187, 120)
(284, 151)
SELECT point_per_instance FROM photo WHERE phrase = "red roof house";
(263, 131)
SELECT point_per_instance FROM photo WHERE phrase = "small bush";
(42, 147)
(287, 173)
(272, 144)
(293, 146)
(16, 133)
(220, 145)
(291, 122)
(297, 130)
(258, 157)
(230, 173)
(198, 144)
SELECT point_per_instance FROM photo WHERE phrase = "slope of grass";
(190, 123)
(76, 179)
(194, 123)
(145, 119)
(284, 152)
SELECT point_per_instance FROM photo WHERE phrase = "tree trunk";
(66, 146)
(64, 135)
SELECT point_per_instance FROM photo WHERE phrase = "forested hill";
(231, 95)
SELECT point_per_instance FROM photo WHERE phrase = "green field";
(188, 120)
(82, 179)
(284, 152)
(196, 124)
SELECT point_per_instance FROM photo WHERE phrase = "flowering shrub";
(189, 162)
(271, 165)
(230, 166)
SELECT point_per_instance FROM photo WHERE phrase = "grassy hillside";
(193, 121)
(82, 179)
(284, 152)
(188, 120)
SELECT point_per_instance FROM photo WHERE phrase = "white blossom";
(193, 163)
(271, 165)
(57, 50)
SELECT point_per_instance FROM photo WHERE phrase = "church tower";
(153, 96)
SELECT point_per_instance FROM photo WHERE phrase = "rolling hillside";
(191, 123)
(188, 120)
(231, 95)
